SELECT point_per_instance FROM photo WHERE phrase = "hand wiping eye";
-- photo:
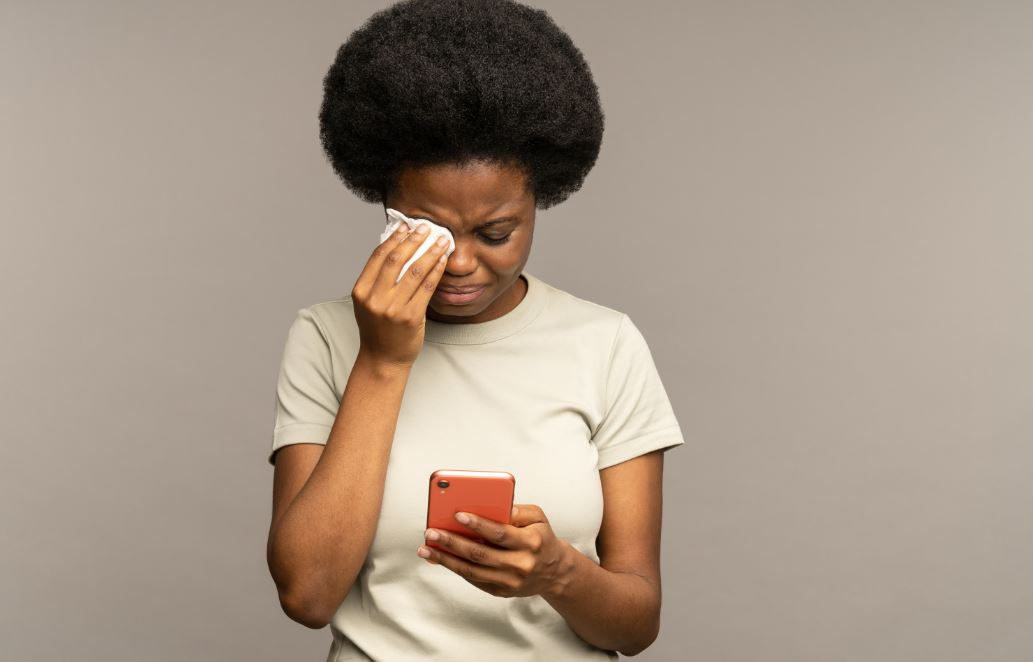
(396, 218)
(392, 294)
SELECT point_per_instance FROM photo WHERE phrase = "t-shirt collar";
(523, 314)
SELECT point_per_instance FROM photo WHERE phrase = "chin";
(458, 311)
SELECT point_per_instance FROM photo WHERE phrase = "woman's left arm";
(615, 605)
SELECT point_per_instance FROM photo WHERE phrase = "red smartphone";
(488, 494)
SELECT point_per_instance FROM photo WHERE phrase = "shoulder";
(609, 333)
(582, 316)
(335, 313)
(333, 321)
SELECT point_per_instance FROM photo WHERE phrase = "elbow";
(297, 601)
(632, 651)
(309, 606)
(304, 612)
(308, 601)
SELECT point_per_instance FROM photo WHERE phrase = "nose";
(461, 259)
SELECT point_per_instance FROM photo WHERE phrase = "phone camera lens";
(442, 483)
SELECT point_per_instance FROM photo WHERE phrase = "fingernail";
(422, 229)
(463, 518)
(423, 552)
(432, 535)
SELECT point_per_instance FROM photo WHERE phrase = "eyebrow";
(494, 221)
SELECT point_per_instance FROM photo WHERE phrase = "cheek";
(506, 259)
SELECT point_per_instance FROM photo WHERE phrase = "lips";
(460, 289)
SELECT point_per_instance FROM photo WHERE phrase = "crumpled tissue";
(396, 218)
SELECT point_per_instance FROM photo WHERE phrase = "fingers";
(395, 259)
(417, 285)
(525, 514)
(471, 550)
(495, 533)
(422, 278)
(375, 263)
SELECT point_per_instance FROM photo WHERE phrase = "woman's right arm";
(327, 499)
(319, 539)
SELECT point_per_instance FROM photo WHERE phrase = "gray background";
(819, 214)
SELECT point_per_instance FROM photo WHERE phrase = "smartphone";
(488, 494)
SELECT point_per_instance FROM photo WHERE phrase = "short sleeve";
(638, 417)
(306, 401)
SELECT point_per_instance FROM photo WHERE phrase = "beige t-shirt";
(553, 391)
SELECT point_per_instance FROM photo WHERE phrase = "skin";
(615, 604)
(462, 198)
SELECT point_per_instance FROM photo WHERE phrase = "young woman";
(469, 114)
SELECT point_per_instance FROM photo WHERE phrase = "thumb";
(526, 514)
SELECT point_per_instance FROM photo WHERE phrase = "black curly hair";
(427, 82)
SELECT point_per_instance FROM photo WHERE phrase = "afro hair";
(426, 82)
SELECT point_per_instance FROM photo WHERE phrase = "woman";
(470, 114)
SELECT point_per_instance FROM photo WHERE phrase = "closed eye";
(499, 240)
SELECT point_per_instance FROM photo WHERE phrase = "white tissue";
(396, 218)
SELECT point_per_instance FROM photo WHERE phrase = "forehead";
(463, 195)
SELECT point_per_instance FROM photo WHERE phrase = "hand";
(529, 559)
(392, 316)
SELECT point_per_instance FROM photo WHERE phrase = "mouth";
(458, 298)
